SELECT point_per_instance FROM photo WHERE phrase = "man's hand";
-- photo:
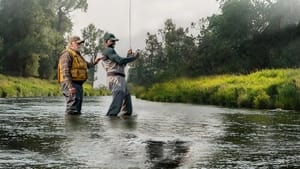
(98, 59)
(129, 52)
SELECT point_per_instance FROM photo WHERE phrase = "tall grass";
(264, 89)
(33, 87)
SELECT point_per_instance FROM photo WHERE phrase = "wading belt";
(115, 74)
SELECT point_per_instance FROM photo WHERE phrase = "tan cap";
(75, 39)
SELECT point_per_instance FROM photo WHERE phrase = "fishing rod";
(129, 23)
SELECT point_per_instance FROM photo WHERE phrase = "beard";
(79, 49)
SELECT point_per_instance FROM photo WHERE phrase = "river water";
(35, 133)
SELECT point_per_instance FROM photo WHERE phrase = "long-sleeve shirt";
(113, 62)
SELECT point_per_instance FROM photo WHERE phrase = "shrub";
(262, 89)
(288, 96)
(32, 87)
(261, 100)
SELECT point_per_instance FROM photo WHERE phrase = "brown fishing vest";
(78, 69)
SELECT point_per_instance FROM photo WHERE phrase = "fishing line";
(129, 22)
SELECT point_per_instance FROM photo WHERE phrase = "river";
(35, 133)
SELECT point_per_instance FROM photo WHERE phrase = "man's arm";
(66, 63)
(113, 56)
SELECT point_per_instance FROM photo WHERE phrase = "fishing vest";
(78, 68)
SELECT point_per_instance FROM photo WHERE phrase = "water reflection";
(166, 155)
(76, 123)
(129, 123)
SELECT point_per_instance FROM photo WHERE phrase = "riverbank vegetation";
(266, 89)
(33, 87)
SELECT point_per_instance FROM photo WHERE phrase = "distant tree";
(63, 8)
(155, 59)
(249, 35)
(283, 13)
(167, 56)
(223, 43)
(33, 34)
(179, 48)
(93, 44)
(150, 67)
(26, 36)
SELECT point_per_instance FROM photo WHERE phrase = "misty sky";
(146, 16)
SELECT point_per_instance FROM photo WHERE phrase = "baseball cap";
(110, 36)
(75, 39)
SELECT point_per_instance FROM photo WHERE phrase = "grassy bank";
(32, 87)
(265, 89)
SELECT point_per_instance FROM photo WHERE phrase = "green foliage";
(31, 68)
(62, 9)
(288, 96)
(235, 23)
(32, 32)
(92, 45)
(261, 100)
(27, 87)
(166, 60)
(261, 90)
(46, 69)
(90, 91)
(32, 87)
(92, 37)
(151, 65)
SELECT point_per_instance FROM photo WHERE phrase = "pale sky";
(146, 16)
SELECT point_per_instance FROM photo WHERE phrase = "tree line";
(245, 36)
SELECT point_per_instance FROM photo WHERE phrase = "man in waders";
(72, 73)
(114, 66)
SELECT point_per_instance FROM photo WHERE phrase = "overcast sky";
(146, 16)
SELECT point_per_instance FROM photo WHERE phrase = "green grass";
(264, 89)
(33, 87)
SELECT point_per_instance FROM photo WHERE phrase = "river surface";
(35, 133)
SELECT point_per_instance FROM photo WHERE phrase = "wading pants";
(121, 98)
(73, 103)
